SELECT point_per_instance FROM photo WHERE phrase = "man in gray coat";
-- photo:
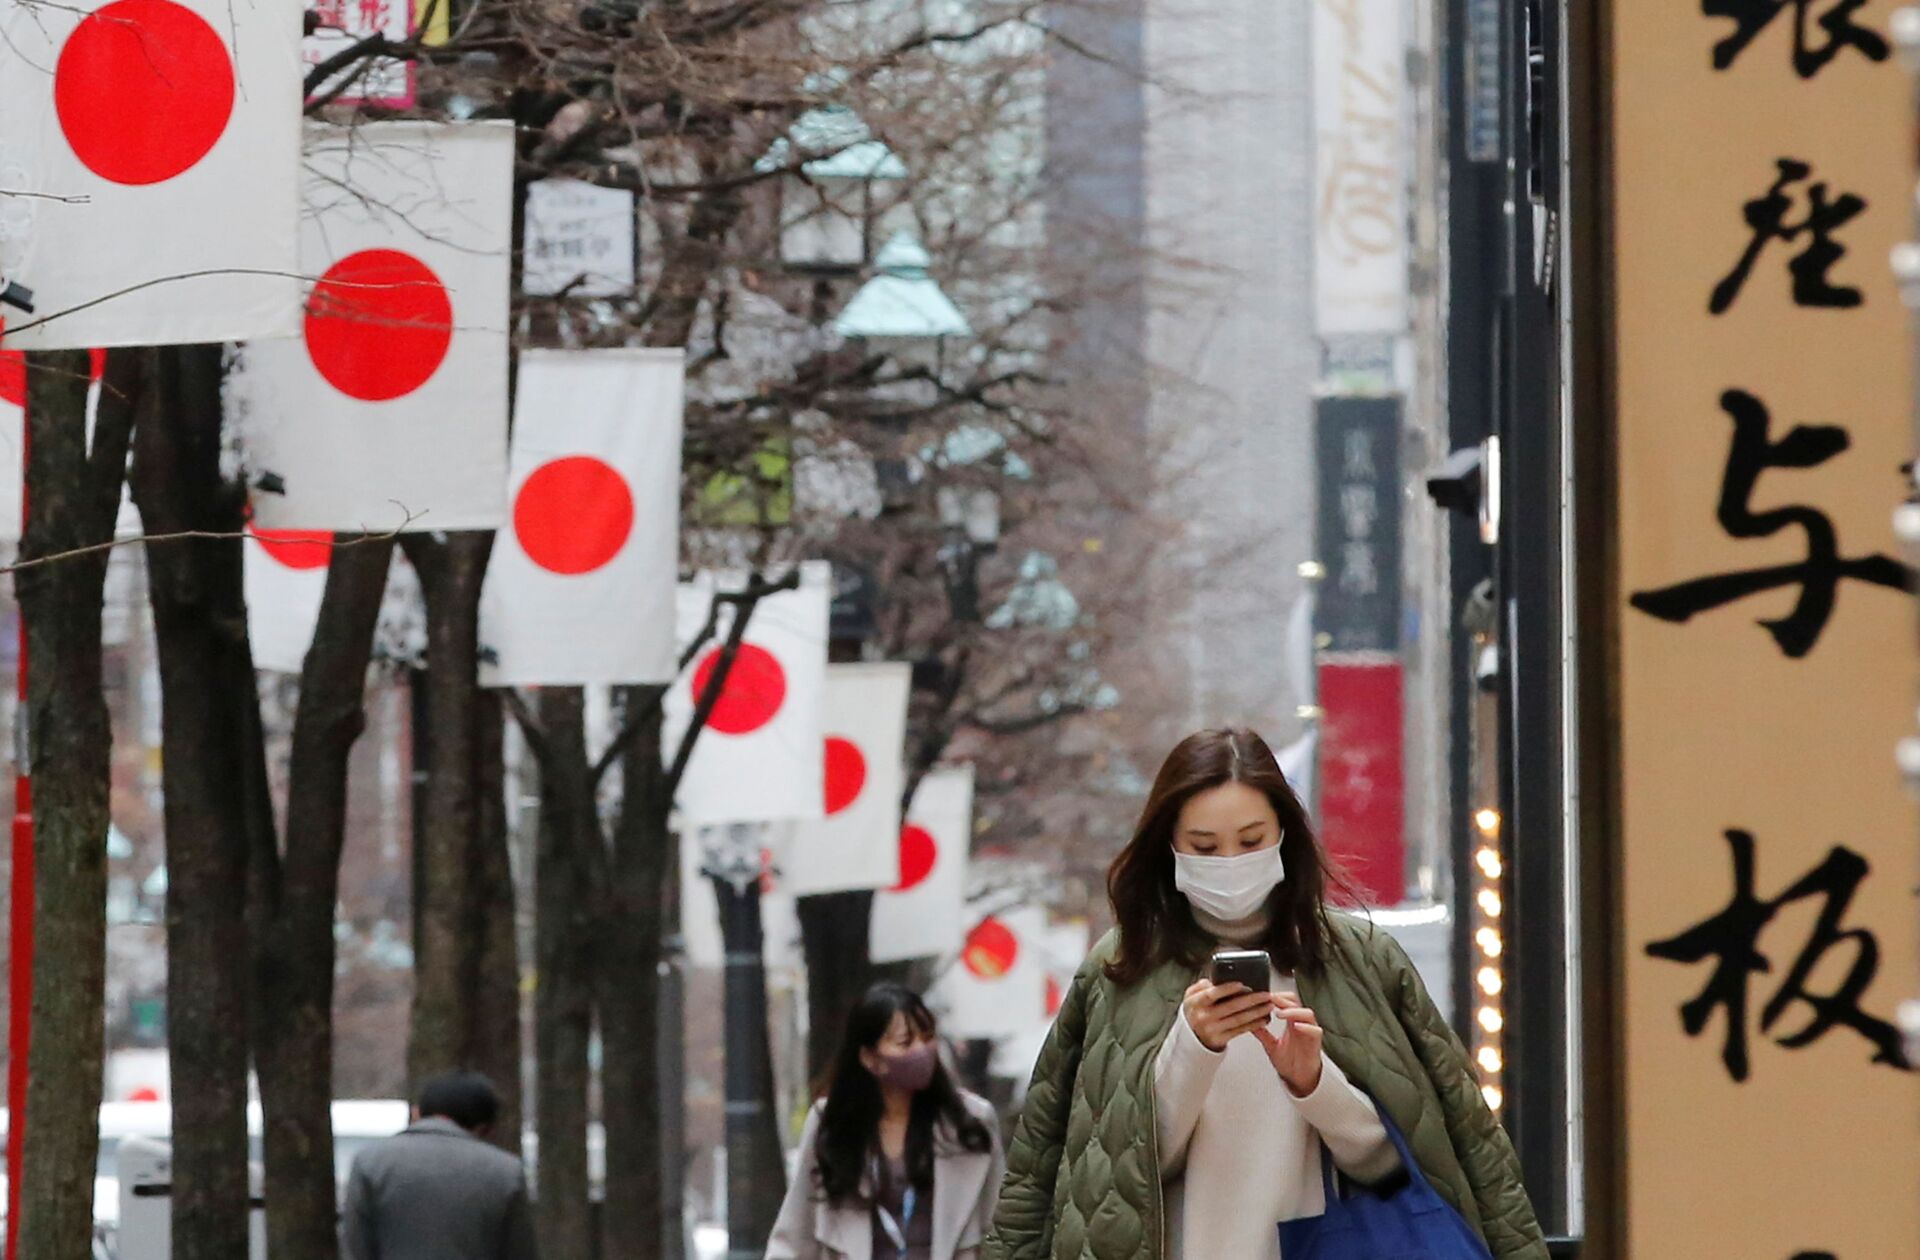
(439, 1191)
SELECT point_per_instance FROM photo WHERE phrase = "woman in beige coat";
(896, 1162)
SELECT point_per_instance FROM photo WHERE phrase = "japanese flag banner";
(1067, 946)
(150, 150)
(920, 916)
(997, 986)
(285, 576)
(581, 588)
(761, 757)
(390, 411)
(856, 845)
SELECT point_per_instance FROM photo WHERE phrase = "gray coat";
(436, 1192)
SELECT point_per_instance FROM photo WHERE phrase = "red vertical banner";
(1362, 798)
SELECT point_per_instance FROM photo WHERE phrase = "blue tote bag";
(1411, 1222)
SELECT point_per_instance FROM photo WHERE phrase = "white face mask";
(1229, 889)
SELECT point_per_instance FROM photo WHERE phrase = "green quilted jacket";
(1083, 1171)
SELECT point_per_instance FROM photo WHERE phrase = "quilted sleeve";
(1506, 1214)
(1023, 1222)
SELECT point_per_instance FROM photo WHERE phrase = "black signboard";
(1357, 524)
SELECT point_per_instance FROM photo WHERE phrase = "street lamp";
(827, 208)
(902, 300)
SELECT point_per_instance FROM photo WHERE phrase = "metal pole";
(745, 1016)
(673, 1068)
(20, 978)
(735, 872)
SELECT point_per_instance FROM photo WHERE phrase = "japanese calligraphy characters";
(1732, 939)
(1818, 575)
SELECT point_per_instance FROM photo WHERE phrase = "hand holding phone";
(1250, 967)
(1231, 1000)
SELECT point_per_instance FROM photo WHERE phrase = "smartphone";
(1251, 967)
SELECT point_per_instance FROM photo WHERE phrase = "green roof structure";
(902, 300)
(846, 147)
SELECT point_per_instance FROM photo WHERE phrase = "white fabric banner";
(1361, 167)
(391, 411)
(285, 576)
(1067, 946)
(761, 756)
(920, 916)
(577, 232)
(997, 987)
(157, 143)
(581, 587)
(856, 845)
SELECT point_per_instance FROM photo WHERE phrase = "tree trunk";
(833, 931)
(73, 496)
(566, 941)
(492, 965)
(208, 704)
(444, 1003)
(637, 1210)
(292, 910)
(756, 1171)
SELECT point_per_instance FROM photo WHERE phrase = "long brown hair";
(1156, 924)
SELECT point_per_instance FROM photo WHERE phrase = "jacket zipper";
(1153, 1144)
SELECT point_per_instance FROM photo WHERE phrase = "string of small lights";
(1489, 974)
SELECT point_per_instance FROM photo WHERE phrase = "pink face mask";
(911, 1070)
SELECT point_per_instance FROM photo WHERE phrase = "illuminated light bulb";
(1490, 1059)
(1490, 1019)
(1489, 901)
(1490, 982)
(1493, 1096)
(1488, 820)
(1489, 863)
(1489, 942)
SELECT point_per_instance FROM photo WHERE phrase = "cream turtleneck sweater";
(1238, 1152)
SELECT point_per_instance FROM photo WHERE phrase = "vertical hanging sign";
(1766, 924)
(1360, 168)
(1357, 619)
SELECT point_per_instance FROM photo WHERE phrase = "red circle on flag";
(296, 548)
(918, 852)
(846, 773)
(756, 688)
(13, 377)
(991, 950)
(1055, 998)
(144, 89)
(378, 324)
(573, 515)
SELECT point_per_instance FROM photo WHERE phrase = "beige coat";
(966, 1188)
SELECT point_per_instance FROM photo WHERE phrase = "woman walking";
(897, 1162)
(1175, 1118)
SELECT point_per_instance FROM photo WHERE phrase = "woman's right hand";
(1218, 1013)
